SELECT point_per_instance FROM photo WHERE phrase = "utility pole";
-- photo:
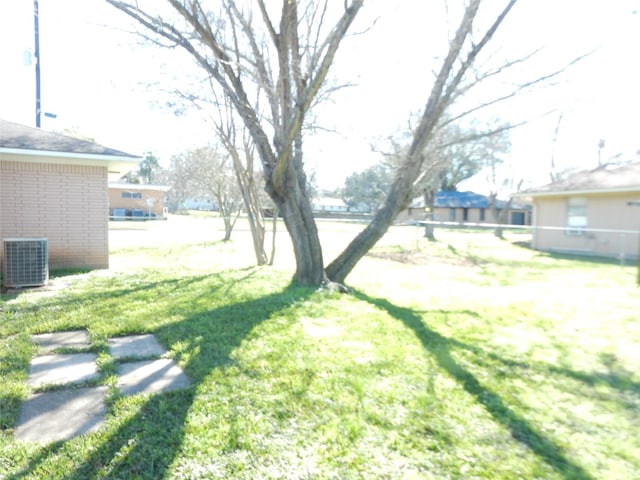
(600, 147)
(37, 57)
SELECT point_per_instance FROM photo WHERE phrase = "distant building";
(208, 204)
(136, 201)
(328, 204)
(468, 207)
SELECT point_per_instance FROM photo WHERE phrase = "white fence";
(621, 244)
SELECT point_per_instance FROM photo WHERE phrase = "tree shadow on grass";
(625, 391)
(120, 299)
(145, 445)
(440, 347)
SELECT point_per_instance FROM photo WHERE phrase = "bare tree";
(179, 176)
(241, 150)
(504, 186)
(283, 54)
(455, 153)
(237, 141)
(288, 59)
(553, 170)
(212, 175)
(452, 81)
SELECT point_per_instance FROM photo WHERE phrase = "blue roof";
(449, 199)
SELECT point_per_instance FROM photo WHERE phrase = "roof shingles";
(21, 137)
(602, 179)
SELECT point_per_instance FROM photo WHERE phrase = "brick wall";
(68, 204)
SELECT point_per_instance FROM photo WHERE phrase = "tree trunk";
(290, 194)
(253, 207)
(429, 232)
(274, 229)
(397, 199)
(429, 204)
(228, 227)
(257, 234)
(298, 218)
(501, 219)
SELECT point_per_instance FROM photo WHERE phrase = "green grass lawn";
(466, 358)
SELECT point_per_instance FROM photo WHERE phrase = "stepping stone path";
(63, 369)
(65, 413)
(148, 376)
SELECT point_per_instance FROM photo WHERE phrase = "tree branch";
(333, 40)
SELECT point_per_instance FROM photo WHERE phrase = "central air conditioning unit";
(25, 262)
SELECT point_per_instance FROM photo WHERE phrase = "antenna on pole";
(37, 57)
(600, 147)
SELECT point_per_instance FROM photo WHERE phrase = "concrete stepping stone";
(132, 346)
(62, 369)
(53, 416)
(60, 415)
(151, 376)
(52, 341)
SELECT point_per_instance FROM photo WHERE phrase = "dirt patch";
(418, 257)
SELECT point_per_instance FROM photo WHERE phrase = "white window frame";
(132, 195)
(576, 216)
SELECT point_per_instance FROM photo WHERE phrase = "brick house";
(137, 201)
(55, 187)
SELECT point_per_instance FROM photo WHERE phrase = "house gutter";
(138, 186)
(71, 155)
(116, 164)
(564, 193)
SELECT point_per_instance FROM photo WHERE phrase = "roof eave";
(139, 186)
(588, 191)
(116, 164)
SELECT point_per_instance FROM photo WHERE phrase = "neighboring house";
(595, 212)
(55, 187)
(208, 204)
(468, 207)
(137, 201)
(328, 204)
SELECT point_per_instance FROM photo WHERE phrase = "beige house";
(594, 212)
(137, 201)
(55, 187)
(328, 204)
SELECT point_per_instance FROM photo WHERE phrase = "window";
(482, 214)
(465, 214)
(576, 216)
(131, 194)
(517, 218)
(452, 214)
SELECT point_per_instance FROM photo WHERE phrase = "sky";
(102, 84)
